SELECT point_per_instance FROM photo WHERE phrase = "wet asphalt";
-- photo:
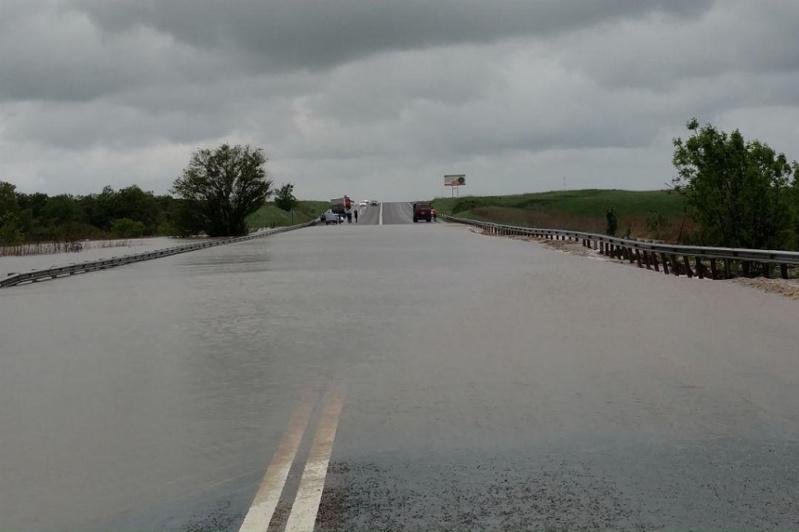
(491, 384)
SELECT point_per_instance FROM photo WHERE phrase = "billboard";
(458, 180)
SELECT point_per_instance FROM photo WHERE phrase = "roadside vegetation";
(221, 192)
(124, 213)
(727, 192)
(659, 214)
(270, 215)
(221, 188)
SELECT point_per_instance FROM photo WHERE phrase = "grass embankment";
(271, 216)
(657, 214)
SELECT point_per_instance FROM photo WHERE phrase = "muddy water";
(491, 384)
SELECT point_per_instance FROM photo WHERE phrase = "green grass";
(271, 216)
(579, 210)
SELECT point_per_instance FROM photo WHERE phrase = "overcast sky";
(381, 98)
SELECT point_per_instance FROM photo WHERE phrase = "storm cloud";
(380, 99)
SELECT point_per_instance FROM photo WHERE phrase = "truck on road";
(422, 211)
(341, 205)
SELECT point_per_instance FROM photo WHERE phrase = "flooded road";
(483, 384)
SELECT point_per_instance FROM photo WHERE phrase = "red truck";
(422, 211)
(341, 205)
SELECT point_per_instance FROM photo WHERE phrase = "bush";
(127, 228)
(612, 222)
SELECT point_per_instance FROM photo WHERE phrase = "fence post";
(688, 270)
(665, 261)
(700, 268)
(784, 271)
(675, 265)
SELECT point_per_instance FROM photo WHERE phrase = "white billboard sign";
(457, 180)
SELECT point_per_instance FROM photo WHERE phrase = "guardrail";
(710, 262)
(104, 264)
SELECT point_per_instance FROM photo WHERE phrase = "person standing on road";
(434, 214)
(356, 216)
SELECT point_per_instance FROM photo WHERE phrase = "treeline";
(215, 194)
(125, 213)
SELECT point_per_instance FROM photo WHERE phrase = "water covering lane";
(490, 384)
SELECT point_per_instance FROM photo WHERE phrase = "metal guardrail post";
(675, 259)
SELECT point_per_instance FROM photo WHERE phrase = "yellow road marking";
(309, 494)
(266, 498)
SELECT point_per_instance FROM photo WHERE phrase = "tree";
(127, 228)
(612, 222)
(10, 231)
(284, 198)
(8, 198)
(225, 185)
(737, 191)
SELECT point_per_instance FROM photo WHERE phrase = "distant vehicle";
(374, 202)
(329, 217)
(422, 211)
(341, 205)
(363, 204)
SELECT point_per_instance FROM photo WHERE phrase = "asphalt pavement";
(369, 215)
(397, 213)
(396, 377)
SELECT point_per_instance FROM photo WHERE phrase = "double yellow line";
(309, 494)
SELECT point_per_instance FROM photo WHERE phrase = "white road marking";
(263, 505)
(380, 216)
(309, 494)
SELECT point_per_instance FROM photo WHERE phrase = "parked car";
(329, 217)
(422, 211)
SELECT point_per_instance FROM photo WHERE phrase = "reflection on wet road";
(484, 384)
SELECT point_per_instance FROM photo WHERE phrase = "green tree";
(737, 191)
(225, 185)
(127, 228)
(10, 231)
(8, 198)
(284, 197)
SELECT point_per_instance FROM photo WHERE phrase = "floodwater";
(491, 384)
(92, 250)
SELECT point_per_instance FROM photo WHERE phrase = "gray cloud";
(316, 33)
(381, 98)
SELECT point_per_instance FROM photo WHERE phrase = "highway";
(410, 377)
(386, 214)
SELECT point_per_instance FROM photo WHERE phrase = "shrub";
(127, 228)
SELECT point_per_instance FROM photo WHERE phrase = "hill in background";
(656, 214)
(271, 216)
